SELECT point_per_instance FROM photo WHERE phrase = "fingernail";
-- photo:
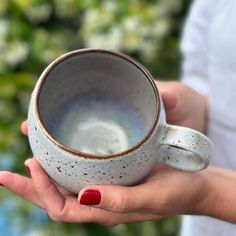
(27, 168)
(90, 197)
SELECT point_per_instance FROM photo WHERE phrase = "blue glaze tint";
(97, 125)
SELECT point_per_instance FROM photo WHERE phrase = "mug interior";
(94, 79)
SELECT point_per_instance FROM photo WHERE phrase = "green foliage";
(35, 32)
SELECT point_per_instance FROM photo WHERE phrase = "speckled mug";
(115, 74)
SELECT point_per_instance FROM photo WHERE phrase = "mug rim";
(78, 153)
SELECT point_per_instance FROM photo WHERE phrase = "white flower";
(110, 6)
(161, 28)
(95, 20)
(131, 33)
(16, 52)
(131, 23)
(111, 40)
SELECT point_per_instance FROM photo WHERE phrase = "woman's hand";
(163, 193)
(183, 105)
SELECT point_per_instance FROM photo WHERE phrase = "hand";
(164, 193)
(183, 105)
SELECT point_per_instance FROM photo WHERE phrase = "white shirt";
(209, 67)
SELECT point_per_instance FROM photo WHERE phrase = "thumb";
(120, 199)
(169, 92)
(24, 127)
(177, 99)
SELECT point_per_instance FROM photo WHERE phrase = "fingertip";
(107, 197)
(28, 161)
(27, 165)
(115, 198)
(86, 188)
(90, 197)
(32, 164)
(24, 127)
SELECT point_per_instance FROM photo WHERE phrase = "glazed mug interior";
(97, 103)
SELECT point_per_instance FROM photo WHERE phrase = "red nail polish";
(27, 168)
(90, 197)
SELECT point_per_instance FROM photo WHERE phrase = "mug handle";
(185, 148)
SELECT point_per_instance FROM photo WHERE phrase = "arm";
(220, 197)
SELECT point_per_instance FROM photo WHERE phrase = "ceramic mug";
(96, 117)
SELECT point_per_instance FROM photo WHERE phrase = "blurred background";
(35, 32)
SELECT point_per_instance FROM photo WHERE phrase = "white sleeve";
(194, 46)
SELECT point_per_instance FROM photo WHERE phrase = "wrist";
(205, 196)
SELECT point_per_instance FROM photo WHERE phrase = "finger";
(46, 189)
(24, 127)
(182, 103)
(59, 203)
(77, 213)
(58, 206)
(73, 212)
(21, 186)
(86, 214)
(122, 199)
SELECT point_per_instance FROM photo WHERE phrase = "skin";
(164, 193)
